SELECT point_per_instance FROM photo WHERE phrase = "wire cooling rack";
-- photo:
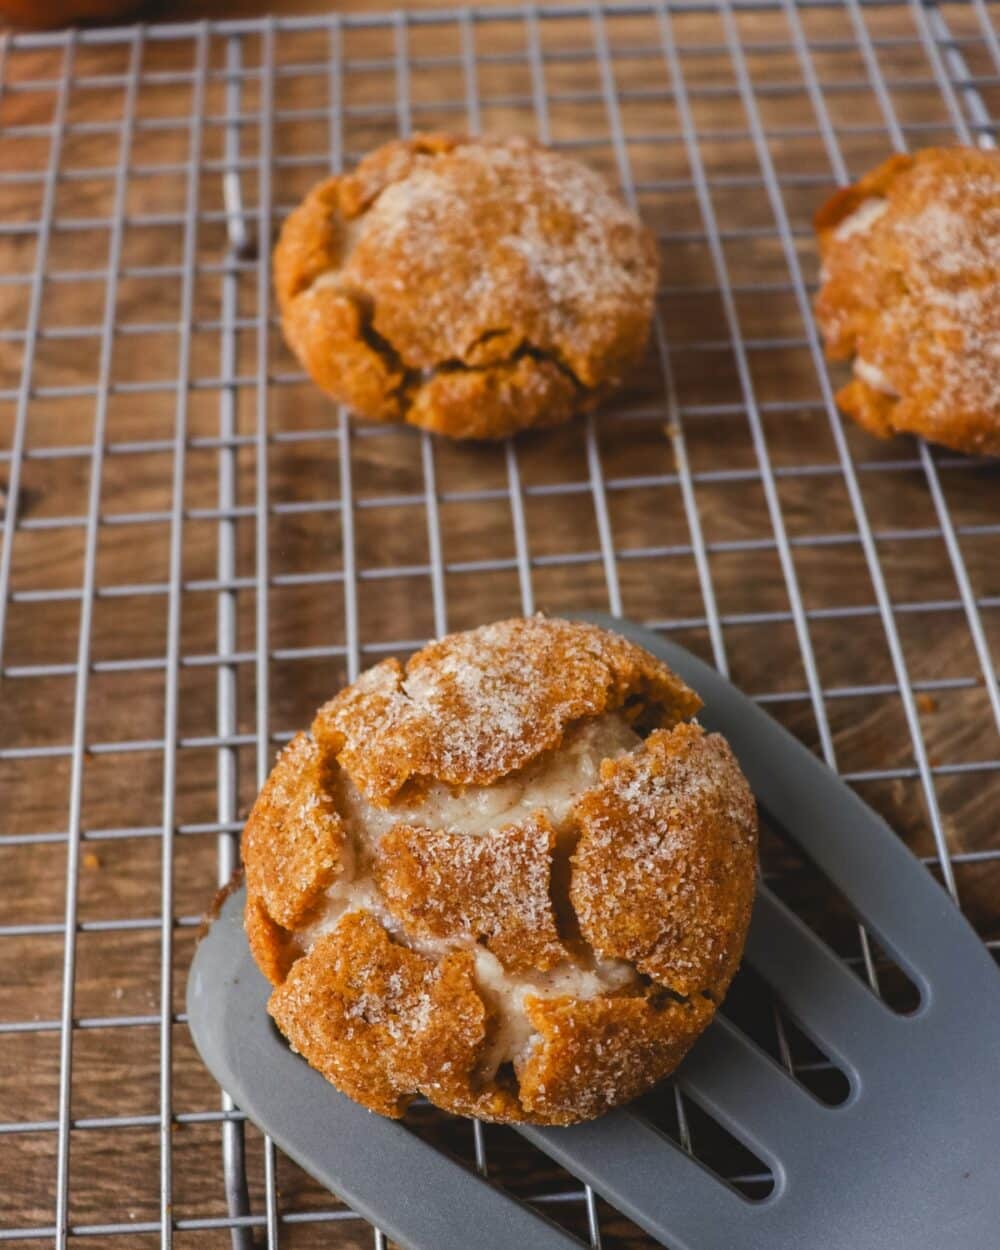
(198, 548)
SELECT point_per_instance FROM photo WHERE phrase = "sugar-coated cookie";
(514, 876)
(473, 287)
(911, 292)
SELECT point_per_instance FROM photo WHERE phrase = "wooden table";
(744, 479)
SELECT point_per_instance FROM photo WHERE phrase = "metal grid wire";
(197, 549)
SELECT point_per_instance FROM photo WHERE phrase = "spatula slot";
(811, 1067)
(694, 1130)
(894, 987)
(753, 1007)
(794, 877)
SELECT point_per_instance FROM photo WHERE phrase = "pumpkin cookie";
(473, 287)
(911, 290)
(513, 876)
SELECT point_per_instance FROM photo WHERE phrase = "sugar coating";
(539, 936)
(473, 707)
(290, 874)
(911, 289)
(552, 783)
(551, 235)
(474, 287)
(663, 871)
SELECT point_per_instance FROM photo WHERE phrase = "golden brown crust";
(274, 949)
(911, 290)
(391, 993)
(325, 327)
(663, 873)
(498, 400)
(597, 1053)
(380, 1021)
(293, 840)
(475, 706)
(874, 410)
(493, 888)
(474, 287)
(392, 162)
(306, 251)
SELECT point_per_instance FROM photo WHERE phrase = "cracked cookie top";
(474, 287)
(911, 290)
(513, 876)
(473, 707)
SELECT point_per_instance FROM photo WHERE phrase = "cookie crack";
(411, 378)
(525, 350)
(583, 952)
(364, 306)
(560, 876)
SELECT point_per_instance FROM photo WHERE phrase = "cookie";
(514, 876)
(910, 290)
(473, 287)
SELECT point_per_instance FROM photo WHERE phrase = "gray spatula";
(910, 1161)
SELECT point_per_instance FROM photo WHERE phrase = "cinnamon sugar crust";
(520, 927)
(911, 292)
(672, 896)
(473, 287)
(294, 840)
(494, 888)
(629, 1043)
(380, 1021)
(274, 949)
(472, 707)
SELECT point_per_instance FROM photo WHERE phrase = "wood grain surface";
(21, 15)
(751, 426)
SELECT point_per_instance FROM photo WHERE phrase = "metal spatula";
(911, 1160)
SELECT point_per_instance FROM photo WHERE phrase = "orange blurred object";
(47, 14)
